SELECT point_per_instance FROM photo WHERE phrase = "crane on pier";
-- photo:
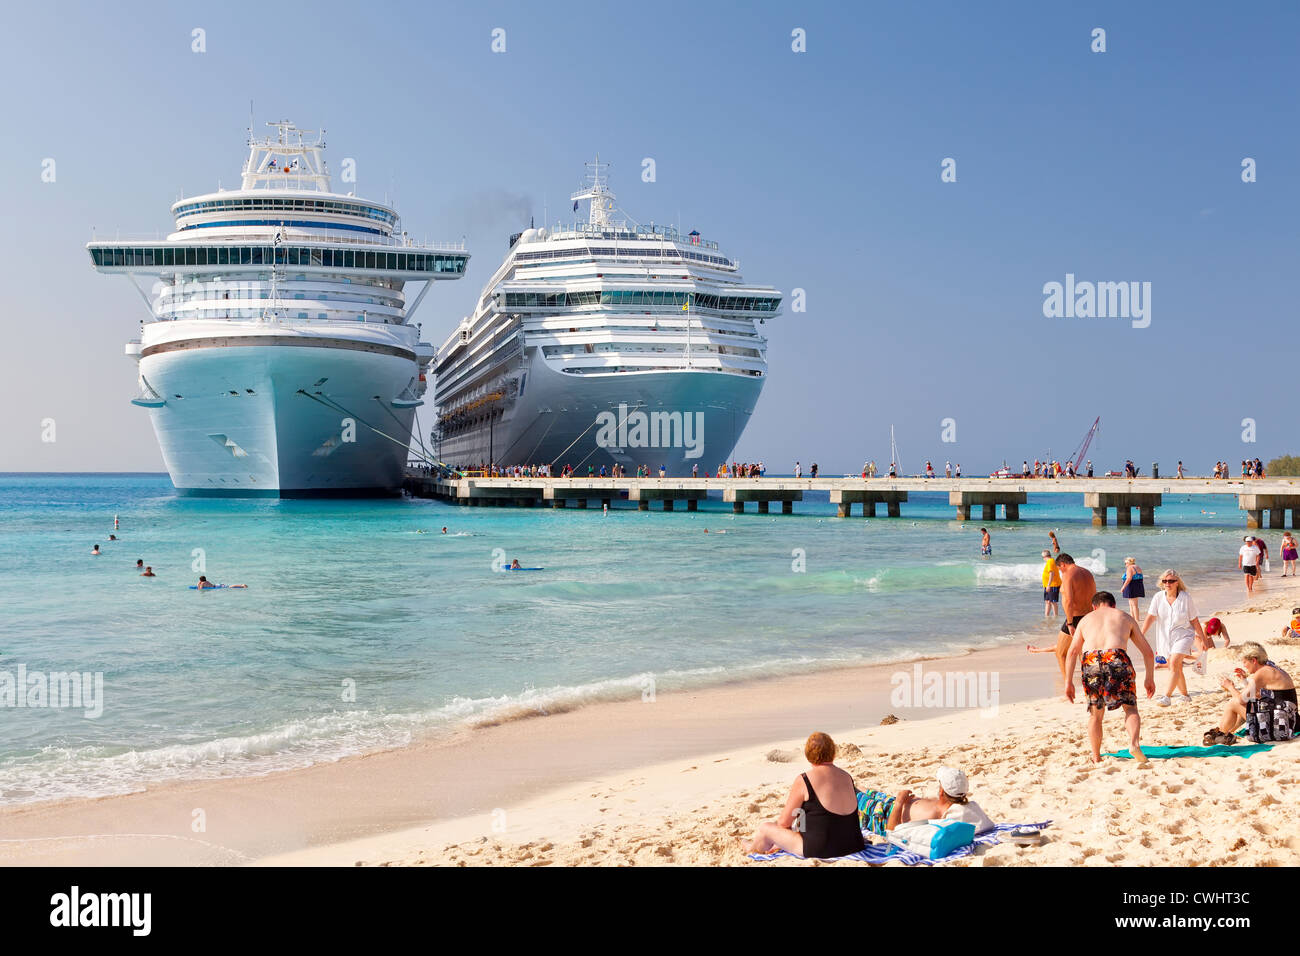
(1082, 450)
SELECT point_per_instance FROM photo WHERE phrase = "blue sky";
(818, 170)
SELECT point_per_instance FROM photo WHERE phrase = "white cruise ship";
(278, 358)
(602, 342)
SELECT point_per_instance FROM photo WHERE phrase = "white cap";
(953, 782)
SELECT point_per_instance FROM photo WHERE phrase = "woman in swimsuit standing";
(820, 817)
(1131, 586)
(1288, 555)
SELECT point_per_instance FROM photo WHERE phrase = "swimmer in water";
(986, 544)
(204, 582)
(148, 573)
(514, 565)
(444, 529)
(95, 550)
(112, 537)
(139, 564)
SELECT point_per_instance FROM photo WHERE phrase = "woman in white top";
(1180, 627)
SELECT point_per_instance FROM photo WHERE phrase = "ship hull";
(555, 418)
(257, 421)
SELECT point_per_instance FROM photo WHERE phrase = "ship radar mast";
(596, 190)
(287, 160)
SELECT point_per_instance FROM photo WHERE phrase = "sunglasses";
(1169, 581)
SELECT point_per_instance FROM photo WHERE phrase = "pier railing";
(1274, 496)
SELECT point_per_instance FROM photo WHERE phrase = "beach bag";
(933, 839)
(1259, 720)
(1268, 720)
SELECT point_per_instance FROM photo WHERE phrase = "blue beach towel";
(1218, 750)
(883, 853)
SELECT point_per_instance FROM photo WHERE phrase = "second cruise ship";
(603, 343)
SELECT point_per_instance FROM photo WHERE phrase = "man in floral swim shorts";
(1109, 681)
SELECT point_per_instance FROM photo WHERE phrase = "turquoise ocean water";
(358, 632)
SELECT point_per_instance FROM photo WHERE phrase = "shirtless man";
(1108, 677)
(986, 544)
(1077, 589)
(951, 803)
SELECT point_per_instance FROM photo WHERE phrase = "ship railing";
(584, 231)
(291, 240)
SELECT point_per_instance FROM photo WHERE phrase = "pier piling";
(1123, 502)
(1275, 504)
(988, 500)
(845, 498)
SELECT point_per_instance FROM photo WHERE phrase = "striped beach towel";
(885, 853)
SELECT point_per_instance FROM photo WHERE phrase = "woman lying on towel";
(1268, 705)
(820, 818)
(952, 803)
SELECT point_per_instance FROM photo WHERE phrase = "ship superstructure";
(278, 357)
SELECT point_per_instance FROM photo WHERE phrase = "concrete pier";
(1265, 501)
(1123, 502)
(988, 501)
(763, 492)
(668, 492)
(1276, 505)
(845, 498)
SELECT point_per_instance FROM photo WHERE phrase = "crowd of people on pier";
(1050, 468)
(735, 469)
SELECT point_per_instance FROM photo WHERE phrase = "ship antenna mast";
(597, 191)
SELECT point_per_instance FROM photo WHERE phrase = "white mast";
(597, 191)
(286, 161)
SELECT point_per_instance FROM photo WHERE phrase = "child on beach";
(1051, 586)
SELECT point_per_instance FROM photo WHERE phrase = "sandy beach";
(683, 778)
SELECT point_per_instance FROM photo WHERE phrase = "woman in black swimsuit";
(820, 818)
